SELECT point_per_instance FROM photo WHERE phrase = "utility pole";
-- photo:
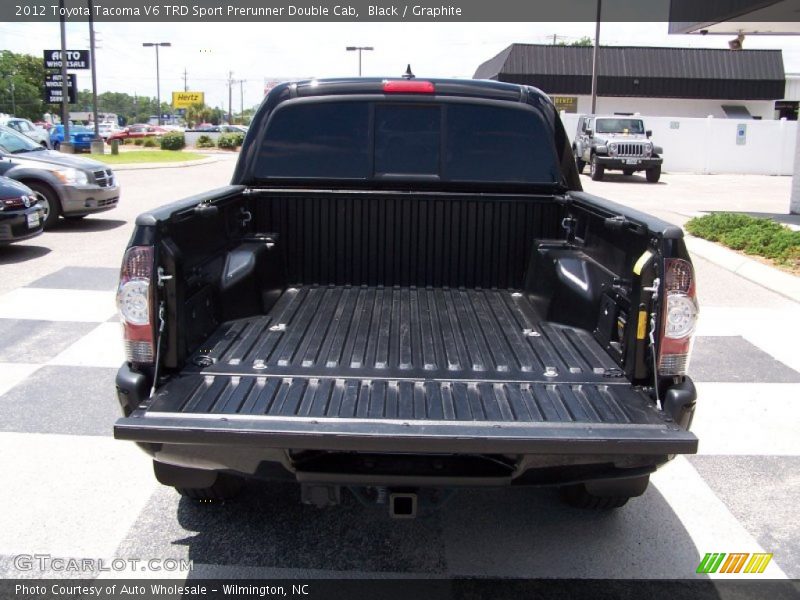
(230, 97)
(241, 99)
(97, 141)
(13, 95)
(66, 145)
(594, 57)
(185, 80)
(158, 74)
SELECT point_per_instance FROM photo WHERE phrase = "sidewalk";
(780, 282)
(161, 165)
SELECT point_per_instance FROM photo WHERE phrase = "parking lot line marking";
(72, 495)
(101, 347)
(57, 305)
(12, 374)
(706, 518)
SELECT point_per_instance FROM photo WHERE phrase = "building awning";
(736, 111)
(644, 72)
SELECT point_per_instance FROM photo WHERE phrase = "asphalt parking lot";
(72, 491)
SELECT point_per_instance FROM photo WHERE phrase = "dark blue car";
(21, 214)
(80, 136)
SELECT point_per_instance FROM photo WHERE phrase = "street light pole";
(359, 49)
(66, 145)
(97, 141)
(595, 57)
(158, 74)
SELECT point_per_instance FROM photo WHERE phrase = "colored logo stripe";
(710, 563)
(758, 563)
(713, 562)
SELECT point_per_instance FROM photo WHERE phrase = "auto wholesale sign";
(187, 99)
(76, 59)
(53, 87)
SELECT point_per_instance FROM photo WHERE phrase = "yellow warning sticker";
(641, 326)
(637, 268)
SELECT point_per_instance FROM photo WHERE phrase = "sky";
(259, 52)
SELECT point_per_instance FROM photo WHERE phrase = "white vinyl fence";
(710, 145)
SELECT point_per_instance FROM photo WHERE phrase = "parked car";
(137, 131)
(206, 128)
(21, 214)
(67, 185)
(25, 127)
(79, 135)
(405, 288)
(615, 142)
(107, 129)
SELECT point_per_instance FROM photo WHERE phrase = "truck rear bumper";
(384, 435)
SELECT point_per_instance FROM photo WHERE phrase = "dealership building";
(675, 82)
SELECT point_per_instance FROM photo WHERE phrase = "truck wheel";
(225, 487)
(604, 495)
(653, 174)
(49, 199)
(595, 170)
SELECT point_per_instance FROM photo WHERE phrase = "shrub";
(149, 143)
(204, 141)
(230, 140)
(173, 141)
(760, 237)
(138, 141)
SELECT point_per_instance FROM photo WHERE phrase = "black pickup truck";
(404, 289)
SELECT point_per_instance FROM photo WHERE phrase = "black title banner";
(676, 11)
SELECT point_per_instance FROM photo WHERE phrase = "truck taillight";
(135, 304)
(679, 317)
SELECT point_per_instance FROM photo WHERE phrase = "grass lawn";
(147, 156)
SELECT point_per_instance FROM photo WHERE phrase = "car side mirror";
(649, 133)
(589, 132)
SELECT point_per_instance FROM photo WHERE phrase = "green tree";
(26, 74)
(584, 41)
(198, 113)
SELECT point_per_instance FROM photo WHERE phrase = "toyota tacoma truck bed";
(403, 289)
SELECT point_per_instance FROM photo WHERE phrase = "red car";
(137, 131)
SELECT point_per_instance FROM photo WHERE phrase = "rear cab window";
(366, 140)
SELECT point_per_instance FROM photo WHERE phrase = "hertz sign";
(187, 99)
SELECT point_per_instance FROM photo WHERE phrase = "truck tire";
(653, 174)
(225, 487)
(595, 170)
(604, 495)
(47, 195)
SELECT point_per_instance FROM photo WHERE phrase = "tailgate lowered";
(406, 416)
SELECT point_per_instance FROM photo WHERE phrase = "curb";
(785, 284)
(174, 165)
